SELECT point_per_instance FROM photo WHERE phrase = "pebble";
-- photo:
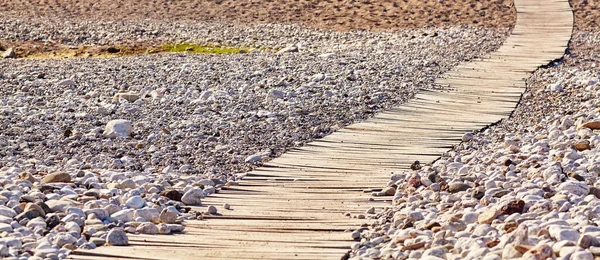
(9, 53)
(193, 197)
(57, 177)
(118, 128)
(211, 210)
(117, 237)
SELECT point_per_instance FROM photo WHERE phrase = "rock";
(117, 237)
(582, 255)
(512, 207)
(131, 97)
(211, 210)
(4, 227)
(288, 49)
(253, 158)
(582, 146)
(538, 252)
(168, 217)
(414, 181)
(587, 241)
(26, 176)
(163, 229)
(574, 187)
(35, 207)
(147, 228)
(172, 194)
(59, 205)
(135, 202)
(389, 191)
(52, 221)
(10, 53)
(63, 238)
(149, 214)
(7, 212)
(226, 206)
(488, 216)
(276, 94)
(371, 210)
(67, 83)
(57, 177)
(118, 128)
(125, 215)
(467, 137)
(561, 233)
(98, 241)
(458, 187)
(595, 191)
(176, 227)
(594, 125)
(193, 196)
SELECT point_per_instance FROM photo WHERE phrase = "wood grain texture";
(294, 207)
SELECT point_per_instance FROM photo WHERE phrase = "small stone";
(561, 233)
(131, 97)
(4, 227)
(125, 215)
(118, 128)
(467, 137)
(574, 187)
(226, 206)
(149, 214)
(594, 125)
(26, 176)
(64, 238)
(414, 181)
(253, 158)
(167, 216)
(488, 216)
(582, 255)
(582, 146)
(389, 191)
(539, 252)
(512, 207)
(147, 228)
(211, 210)
(35, 207)
(172, 194)
(67, 83)
(117, 237)
(371, 210)
(595, 191)
(10, 53)
(57, 177)
(176, 227)
(135, 202)
(414, 246)
(163, 229)
(587, 241)
(98, 241)
(458, 187)
(193, 196)
(288, 49)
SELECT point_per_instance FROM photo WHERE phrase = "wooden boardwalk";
(294, 207)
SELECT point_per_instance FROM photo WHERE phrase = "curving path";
(294, 207)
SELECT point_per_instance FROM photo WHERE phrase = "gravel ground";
(526, 188)
(91, 149)
(338, 15)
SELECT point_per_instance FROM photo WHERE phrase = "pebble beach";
(93, 149)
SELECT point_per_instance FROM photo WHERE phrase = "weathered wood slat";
(293, 208)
